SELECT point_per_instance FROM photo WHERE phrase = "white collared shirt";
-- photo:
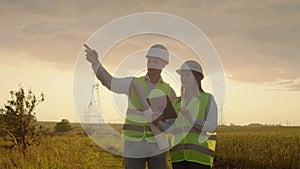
(122, 85)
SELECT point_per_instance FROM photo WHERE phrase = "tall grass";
(237, 147)
(62, 152)
(258, 147)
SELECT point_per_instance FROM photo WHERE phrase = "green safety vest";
(136, 127)
(187, 146)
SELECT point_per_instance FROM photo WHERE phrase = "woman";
(194, 129)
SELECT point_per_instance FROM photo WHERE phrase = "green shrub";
(63, 126)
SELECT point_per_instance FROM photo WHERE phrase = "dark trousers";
(154, 162)
(189, 165)
(137, 154)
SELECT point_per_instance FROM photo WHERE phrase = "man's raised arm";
(117, 85)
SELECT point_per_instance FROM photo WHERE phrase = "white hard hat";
(158, 51)
(190, 65)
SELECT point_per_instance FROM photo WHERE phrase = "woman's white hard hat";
(190, 65)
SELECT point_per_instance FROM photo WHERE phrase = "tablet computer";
(164, 105)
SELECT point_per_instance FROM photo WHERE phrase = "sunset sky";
(257, 41)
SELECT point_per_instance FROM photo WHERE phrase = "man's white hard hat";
(190, 65)
(158, 51)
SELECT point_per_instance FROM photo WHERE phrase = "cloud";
(258, 41)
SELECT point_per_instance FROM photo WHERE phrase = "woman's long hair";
(198, 77)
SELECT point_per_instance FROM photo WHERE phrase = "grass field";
(237, 147)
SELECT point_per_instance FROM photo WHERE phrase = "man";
(140, 145)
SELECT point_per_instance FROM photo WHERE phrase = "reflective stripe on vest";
(193, 147)
(136, 127)
(193, 130)
(187, 137)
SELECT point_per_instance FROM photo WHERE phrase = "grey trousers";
(138, 153)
